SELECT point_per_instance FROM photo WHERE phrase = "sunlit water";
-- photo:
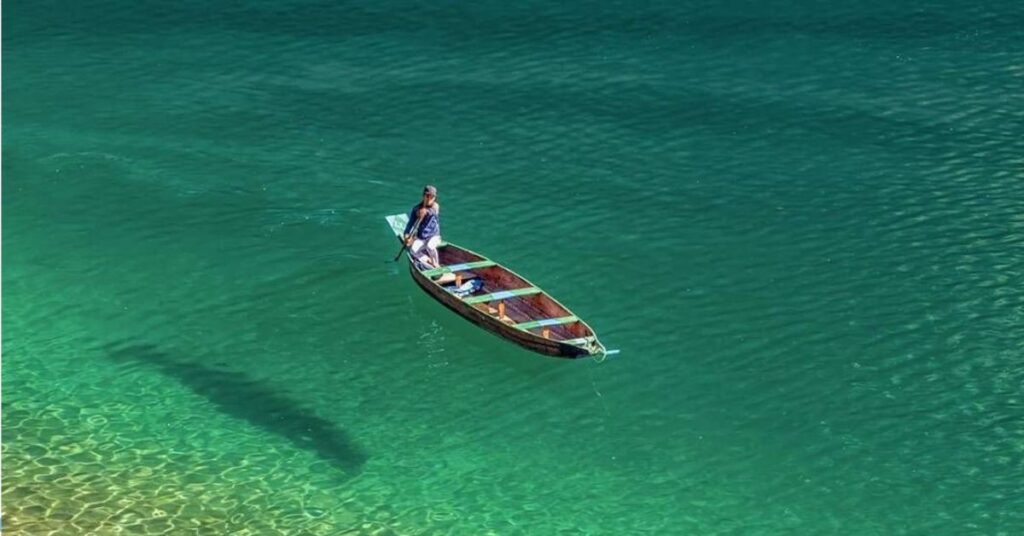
(804, 227)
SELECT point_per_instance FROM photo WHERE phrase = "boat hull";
(529, 341)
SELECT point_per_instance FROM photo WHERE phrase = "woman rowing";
(424, 228)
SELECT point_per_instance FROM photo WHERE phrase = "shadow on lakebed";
(252, 401)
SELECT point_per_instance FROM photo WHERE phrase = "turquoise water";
(803, 226)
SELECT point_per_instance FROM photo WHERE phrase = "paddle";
(415, 228)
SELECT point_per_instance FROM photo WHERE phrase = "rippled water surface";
(803, 226)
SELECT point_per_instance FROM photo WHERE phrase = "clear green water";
(803, 226)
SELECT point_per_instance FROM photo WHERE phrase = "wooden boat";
(502, 302)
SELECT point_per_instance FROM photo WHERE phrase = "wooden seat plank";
(502, 294)
(457, 268)
(547, 322)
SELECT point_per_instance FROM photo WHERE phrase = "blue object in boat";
(467, 288)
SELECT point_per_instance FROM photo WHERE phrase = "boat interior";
(506, 296)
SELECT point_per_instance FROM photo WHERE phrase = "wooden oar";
(415, 228)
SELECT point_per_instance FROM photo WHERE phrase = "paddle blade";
(397, 223)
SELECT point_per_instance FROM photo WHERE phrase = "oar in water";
(415, 229)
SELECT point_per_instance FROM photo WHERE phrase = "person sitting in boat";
(423, 232)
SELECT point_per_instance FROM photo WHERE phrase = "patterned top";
(430, 226)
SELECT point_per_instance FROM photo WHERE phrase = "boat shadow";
(250, 400)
